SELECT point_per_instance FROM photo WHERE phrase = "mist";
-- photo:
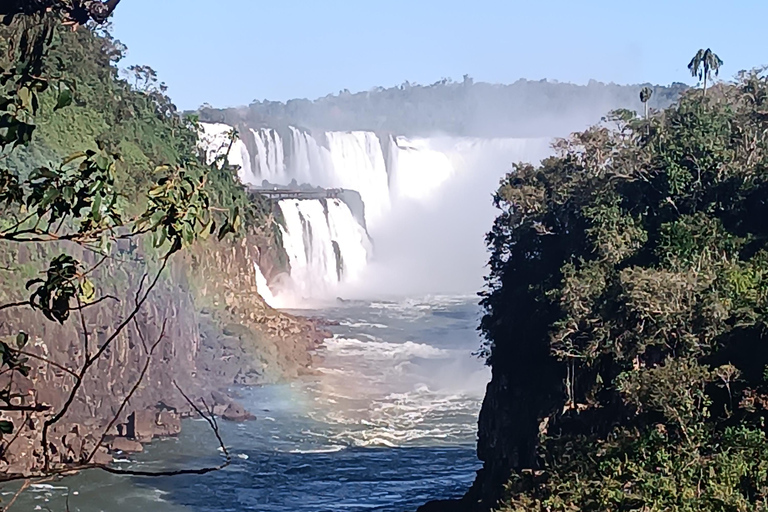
(433, 239)
(425, 161)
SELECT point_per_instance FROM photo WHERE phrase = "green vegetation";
(525, 108)
(703, 64)
(626, 312)
(94, 170)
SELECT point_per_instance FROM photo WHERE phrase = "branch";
(16, 435)
(90, 361)
(24, 408)
(132, 391)
(15, 305)
(18, 493)
(46, 360)
(210, 418)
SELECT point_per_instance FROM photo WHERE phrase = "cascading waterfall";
(427, 203)
(270, 156)
(262, 287)
(324, 244)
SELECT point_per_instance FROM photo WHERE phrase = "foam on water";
(378, 350)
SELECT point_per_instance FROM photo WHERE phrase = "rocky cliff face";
(218, 332)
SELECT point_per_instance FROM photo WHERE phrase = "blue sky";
(231, 52)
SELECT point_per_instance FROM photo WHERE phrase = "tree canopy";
(626, 313)
(526, 108)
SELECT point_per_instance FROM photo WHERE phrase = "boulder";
(141, 425)
(167, 424)
(125, 445)
(236, 412)
(101, 456)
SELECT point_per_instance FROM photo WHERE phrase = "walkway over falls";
(277, 194)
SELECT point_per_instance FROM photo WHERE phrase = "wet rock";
(125, 445)
(167, 424)
(444, 506)
(236, 412)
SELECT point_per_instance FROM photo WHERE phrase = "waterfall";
(427, 204)
(215, 141)
(324, 243)
(270, 156)
(417, 170)
(262, 288)
(358, 164)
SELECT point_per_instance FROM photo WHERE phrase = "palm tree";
(703, 64)
(645, 95)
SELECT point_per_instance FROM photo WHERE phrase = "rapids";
(385, 425)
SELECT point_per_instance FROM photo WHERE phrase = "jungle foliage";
(627, 304)
(90, 160)
(526, 108)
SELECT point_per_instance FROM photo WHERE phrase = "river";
(388, 423)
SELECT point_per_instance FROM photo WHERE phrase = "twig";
(18, 493)
(211, 419)
(15, 305)
(46, 360)
(130, 393)
(16, 435)
(89, 362)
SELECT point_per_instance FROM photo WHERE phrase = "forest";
(626, 314)
(118, 242)
(525, 108)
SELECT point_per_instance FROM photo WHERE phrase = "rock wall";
(218, 332)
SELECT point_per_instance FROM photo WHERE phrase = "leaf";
(96, 208)
(32, 282)
(208, 229)
(65, 99)
(73, 157)
(6, 427)
(87, 291)
(25, 95)
(21, 339)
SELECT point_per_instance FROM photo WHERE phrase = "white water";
(309, 236)
(428, 204)
(263, 288)
(215, 139)
(270, 156)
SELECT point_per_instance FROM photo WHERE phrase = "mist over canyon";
(424, 160)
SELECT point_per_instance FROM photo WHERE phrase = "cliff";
(217, 332)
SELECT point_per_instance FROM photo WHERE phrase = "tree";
(73, 12)
(75, 213)
(625, 316)
(645, 95)
(703, 64)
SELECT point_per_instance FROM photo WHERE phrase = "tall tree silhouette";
(703, 64)
(645, 95)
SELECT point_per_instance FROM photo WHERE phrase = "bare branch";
(23, 488)
(48, 361)
(131, 392)
(90, 361)
(16, 435)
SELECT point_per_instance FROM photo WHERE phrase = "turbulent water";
(387, 424)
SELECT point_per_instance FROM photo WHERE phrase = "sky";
(231, 52)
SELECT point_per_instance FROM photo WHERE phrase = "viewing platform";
(276, 194)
